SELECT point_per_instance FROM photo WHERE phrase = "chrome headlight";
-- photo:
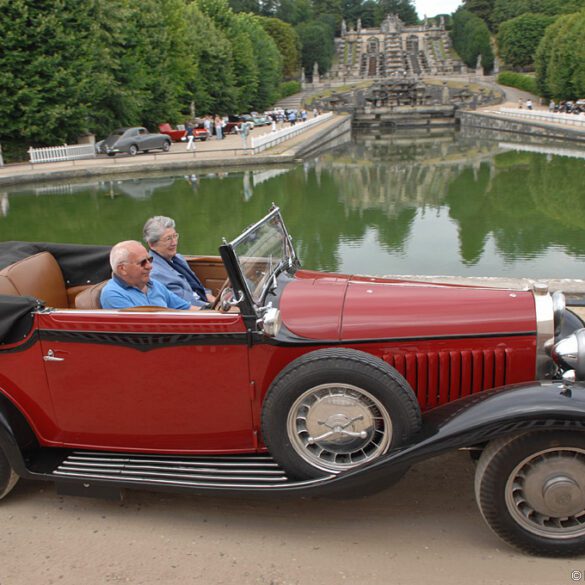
(271, 322)
(569, 353)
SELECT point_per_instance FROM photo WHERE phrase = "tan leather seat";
(36, 276)
(90, 297)
(6, 287)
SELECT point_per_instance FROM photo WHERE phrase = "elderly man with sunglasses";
(131, 285)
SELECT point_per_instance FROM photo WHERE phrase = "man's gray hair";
(120, 253)
(155, 227)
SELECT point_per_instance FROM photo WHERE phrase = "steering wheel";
(216, 304)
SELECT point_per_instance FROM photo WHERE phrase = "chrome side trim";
(545, 331)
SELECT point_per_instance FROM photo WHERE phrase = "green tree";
(53, 65)
(507, 9)
(287, 42)
(268, 60)
(481, 8)
(560, 61)
(214, 86)
(295, 11)
(245, 67)
(471, 38)
(403, 8)
(518, 38)
(318, 46)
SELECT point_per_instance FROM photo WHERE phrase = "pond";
(442, 204)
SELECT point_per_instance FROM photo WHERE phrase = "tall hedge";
(471, 38)
(560, 59)
(518, 38)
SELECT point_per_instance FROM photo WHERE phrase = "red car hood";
(333, 307)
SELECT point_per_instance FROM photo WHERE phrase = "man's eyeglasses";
(142, 263)
(169, 239)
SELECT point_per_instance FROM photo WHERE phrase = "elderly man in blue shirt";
(131, 285)
(169, 267)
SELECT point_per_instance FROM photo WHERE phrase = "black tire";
(8, 476)
(133, 150)
(530, 489)
(166, 146)
(367, 408)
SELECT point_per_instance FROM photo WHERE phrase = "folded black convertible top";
(80, 263)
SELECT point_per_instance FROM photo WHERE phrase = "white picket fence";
(260, 143)
(543, 116)
(61, 153)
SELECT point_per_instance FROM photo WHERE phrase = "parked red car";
(178, 135)
(317, 384)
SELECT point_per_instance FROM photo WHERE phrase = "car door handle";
(50, 357)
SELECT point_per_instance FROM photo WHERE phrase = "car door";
(164, 381)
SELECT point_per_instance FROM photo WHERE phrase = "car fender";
(467, 422)
(9, 444)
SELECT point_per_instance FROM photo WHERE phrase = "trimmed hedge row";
(519, 81)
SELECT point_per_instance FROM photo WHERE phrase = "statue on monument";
(343, 27)
(316, 73)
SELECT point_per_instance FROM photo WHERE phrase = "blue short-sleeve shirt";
(117, 294)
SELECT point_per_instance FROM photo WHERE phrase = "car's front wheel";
(530, 489)
(334, 409)
(166, 146)
(133, 150)
(8, 476)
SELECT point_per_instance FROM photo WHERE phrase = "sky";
(434, 7)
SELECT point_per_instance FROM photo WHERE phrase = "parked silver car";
(132, 140)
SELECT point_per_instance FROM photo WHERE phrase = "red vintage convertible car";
(312, 384)
(177, 135)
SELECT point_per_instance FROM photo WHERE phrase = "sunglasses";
(144, 262)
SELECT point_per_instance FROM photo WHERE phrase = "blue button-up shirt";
(118, 294)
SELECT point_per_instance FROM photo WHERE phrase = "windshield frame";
(240, 273)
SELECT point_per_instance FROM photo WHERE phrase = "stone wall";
(501, 124)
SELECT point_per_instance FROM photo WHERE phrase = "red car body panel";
(113, 392)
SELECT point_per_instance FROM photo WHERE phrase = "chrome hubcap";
(338, 426)
(546, 493)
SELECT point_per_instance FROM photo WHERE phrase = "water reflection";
(451, 203)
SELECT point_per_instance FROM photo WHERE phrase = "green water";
(401, 204)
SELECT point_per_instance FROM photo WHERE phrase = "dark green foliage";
(318, 46)
(518, 38)
(295, 11)
(289, 88)
(403, 8)
(471, 38)
(288, 43)
(519, 80)
(481, 8)
(507, 9)
(268, 60)
(560, 59)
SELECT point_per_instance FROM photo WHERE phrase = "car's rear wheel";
(8, 476)
(166, 146)
(530, 489)
(334, 409)
(133, 150)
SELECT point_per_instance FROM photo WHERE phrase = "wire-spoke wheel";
(334, 409)
(531, 490)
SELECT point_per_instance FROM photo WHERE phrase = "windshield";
(262, 252)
